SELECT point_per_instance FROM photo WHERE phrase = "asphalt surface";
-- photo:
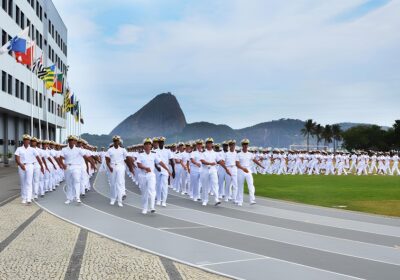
(270, 240)
(9, 184)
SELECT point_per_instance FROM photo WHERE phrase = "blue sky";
(238, 62)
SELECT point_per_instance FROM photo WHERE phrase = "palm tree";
(327, 134)
(337, 135)
(308, 130)
(318, 130)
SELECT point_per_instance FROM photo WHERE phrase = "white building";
(18, 87)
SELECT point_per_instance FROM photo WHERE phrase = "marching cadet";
(162, 181)
(116, 158)
(179, 168)
(48, 175)
(36, 170)
(71, 160)
(395, 167)
(102, 156)
(186, 173)
(195, 170)
(208, 176)
(243, 163)
(221, 173)
(26, 157)
(146, 162)
(230, 159)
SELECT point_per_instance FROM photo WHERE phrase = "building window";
(45, 15)
(4, 5)
(28, 94)
(33, 4)
(41, 99)
(28, 23)
(17, 88)
(22, 96)
(48, 105)
(3, 81)
(22, 20)
(37, 8)
(3, 37)
(10, 8)
(17, 14)
(9, 83)
(40, 13)
(37, 98)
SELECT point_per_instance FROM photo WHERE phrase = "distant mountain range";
(163, 116)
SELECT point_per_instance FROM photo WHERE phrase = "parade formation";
(198, 169)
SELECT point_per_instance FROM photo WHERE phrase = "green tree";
(308, 130)
(318, 131)
(337, 135)
(366, 137)
(327, 134)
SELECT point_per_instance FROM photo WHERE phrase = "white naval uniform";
(245, 160)
(195, 172)
(162, 176)
(231, 184)
(395, 168)
(117, 158)
(148, 179)
(209, 176)
(185, 156)
(73, 161)
(36, 177)
(27, 158)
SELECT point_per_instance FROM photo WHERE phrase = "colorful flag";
(77, 109)
(47, 71)
(58, 84)
(37, 66)
(16, 44)
(25, 58)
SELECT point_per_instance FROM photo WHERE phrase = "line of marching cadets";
(194, 169)
(295, 162)
(43, 165)
(197, 169)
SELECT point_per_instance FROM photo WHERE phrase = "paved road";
(37, 245)
(9, 184)
(273, 239)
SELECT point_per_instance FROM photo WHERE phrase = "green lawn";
(373, 194)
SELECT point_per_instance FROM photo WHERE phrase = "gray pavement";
(9, 184)
(270, 240)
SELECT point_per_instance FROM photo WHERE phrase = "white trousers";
(248, 177)
(117, 178)
(209, 182)
(195, 184)
(162, 186)
(148, 189)
(73, 181)
(231, 185)
(26, 180)
(395, 168)
(36, 179)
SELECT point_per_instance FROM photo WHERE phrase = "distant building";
(17, 87)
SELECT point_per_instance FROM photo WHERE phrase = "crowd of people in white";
(197, 169)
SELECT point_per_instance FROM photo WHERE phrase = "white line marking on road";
(236, 261)
(171, 228)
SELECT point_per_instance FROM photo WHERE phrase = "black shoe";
(153, 211)
(124, 197)
(217, 203)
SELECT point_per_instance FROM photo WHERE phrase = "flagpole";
(32, 91)
(38, 108)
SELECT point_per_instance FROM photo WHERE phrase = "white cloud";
(127, 34)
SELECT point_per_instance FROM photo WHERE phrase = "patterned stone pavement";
(36, 245)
